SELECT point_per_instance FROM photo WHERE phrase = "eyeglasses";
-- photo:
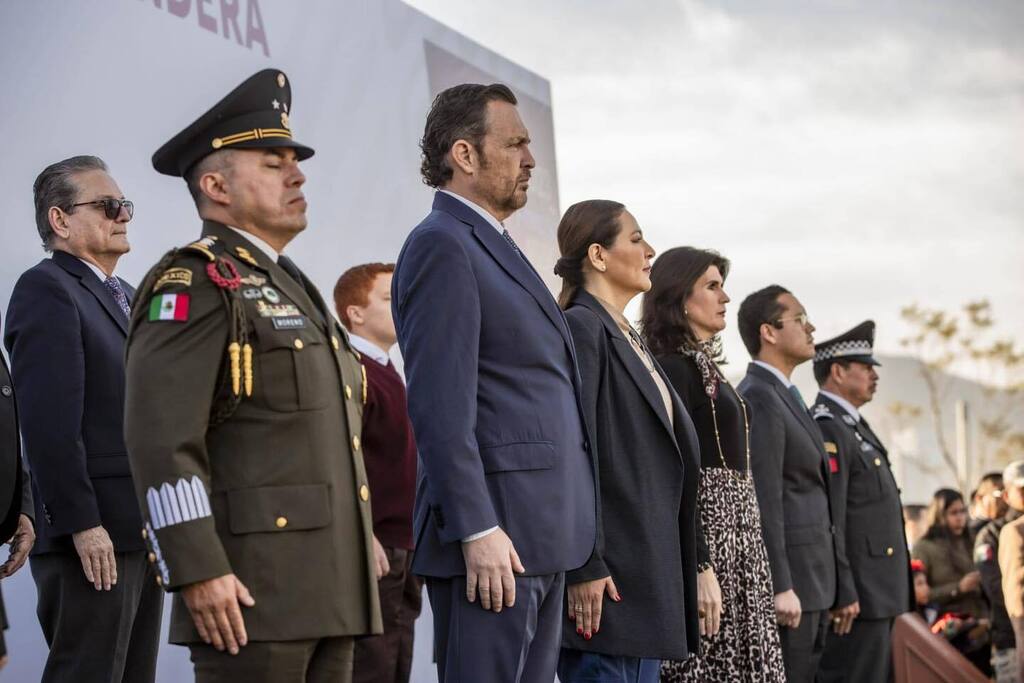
(111, 207)
(801, 318)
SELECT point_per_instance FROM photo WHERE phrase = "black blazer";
(647, 473)
(66, 337)
(15, 489)
(869, 515)
(789, 464)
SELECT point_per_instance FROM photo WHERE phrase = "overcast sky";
(865, 154)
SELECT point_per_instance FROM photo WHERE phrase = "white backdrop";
(117, 78)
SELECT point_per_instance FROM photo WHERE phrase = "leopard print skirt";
(746, 647)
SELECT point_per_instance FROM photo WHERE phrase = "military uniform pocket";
(292, 368)
(278, 508)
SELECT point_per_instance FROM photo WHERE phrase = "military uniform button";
(151, 557)
(145, 534)
(888, 551)
(335, 343)
(878, 462)
(364, 493)
(299, 344)
(348, 392)
(6, 390)
(355, 442)
(281, 522)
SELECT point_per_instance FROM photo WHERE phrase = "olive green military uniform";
(243, 414)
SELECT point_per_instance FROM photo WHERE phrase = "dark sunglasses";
(111, 207)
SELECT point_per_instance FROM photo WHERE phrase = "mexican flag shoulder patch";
(169, 307)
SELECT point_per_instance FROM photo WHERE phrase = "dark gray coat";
(647, 483)
(869, 515)
(15, 489)
(789, 464)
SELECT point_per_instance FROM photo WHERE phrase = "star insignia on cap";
(275, 104)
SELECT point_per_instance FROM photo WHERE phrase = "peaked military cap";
(856, 345)
(254, 115)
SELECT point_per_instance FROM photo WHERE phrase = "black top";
(686, 379)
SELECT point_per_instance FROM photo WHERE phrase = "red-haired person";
(362, 299)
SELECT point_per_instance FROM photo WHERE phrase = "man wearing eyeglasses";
(98, 605)
(790, 470)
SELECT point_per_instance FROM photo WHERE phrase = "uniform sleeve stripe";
(181, 502)
(170, 500)
(188, 506)
(202, 502)
(156, 512)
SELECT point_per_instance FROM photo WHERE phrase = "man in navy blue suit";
(98, 602)
(505, 500)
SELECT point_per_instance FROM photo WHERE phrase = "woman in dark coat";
(646, 557)
(683, 312)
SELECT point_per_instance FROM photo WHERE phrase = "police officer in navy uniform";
(875, 572)
(244, 410)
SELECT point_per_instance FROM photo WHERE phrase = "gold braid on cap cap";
(254, 134)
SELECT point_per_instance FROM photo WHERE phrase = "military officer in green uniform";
(244, 403)
(867, 511)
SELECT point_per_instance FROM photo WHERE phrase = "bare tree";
(964, 343)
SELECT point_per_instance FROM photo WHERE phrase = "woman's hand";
(585, 600)
(709, 602)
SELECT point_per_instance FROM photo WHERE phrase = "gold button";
(878, 462)
(348, 392)
(151, 557)
(299, 344)
(888, 551)
(334, 343)
(355, 442)
(159, 581)
(281, 522)
(364, 493)
(217, 143)
(145, 534)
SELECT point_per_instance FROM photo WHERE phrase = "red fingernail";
(587, 636)
(579, 631)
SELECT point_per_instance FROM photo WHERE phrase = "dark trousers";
(387, 658)
(575, 666)
(803, 646)
(320, 660)
(863, 654)
(93, 635)
(518, 645)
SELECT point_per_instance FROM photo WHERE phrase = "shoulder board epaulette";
(821, 412)
(208, 246)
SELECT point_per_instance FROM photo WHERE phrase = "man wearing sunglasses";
(98, 605)
(790, 470)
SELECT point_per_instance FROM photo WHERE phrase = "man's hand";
(709, 602)
(21, 543)
(842, 618)
(490, 563)
(787, 609)
(96, 551)
(585, 600)
(214, 607)
(380, 557)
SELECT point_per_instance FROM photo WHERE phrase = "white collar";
(846, 405)
(775, 371)
(495, 223)
(368, 348)
(268, 250)
(96, 269)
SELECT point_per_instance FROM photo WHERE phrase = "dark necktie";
(288, 266)
(512, 243)
(798, 396)
(116, 291)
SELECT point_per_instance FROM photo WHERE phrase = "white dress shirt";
(368, 348)
(775, 371)
(847, 406)
(96, 269)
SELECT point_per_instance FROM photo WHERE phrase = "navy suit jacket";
(66, 337)
(494, 399)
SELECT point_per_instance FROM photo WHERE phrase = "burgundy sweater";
(389, 450)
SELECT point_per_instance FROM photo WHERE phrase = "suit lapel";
(634, 366)
(89, 280)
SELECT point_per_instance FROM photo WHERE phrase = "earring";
(686, 313)
(603, 268)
